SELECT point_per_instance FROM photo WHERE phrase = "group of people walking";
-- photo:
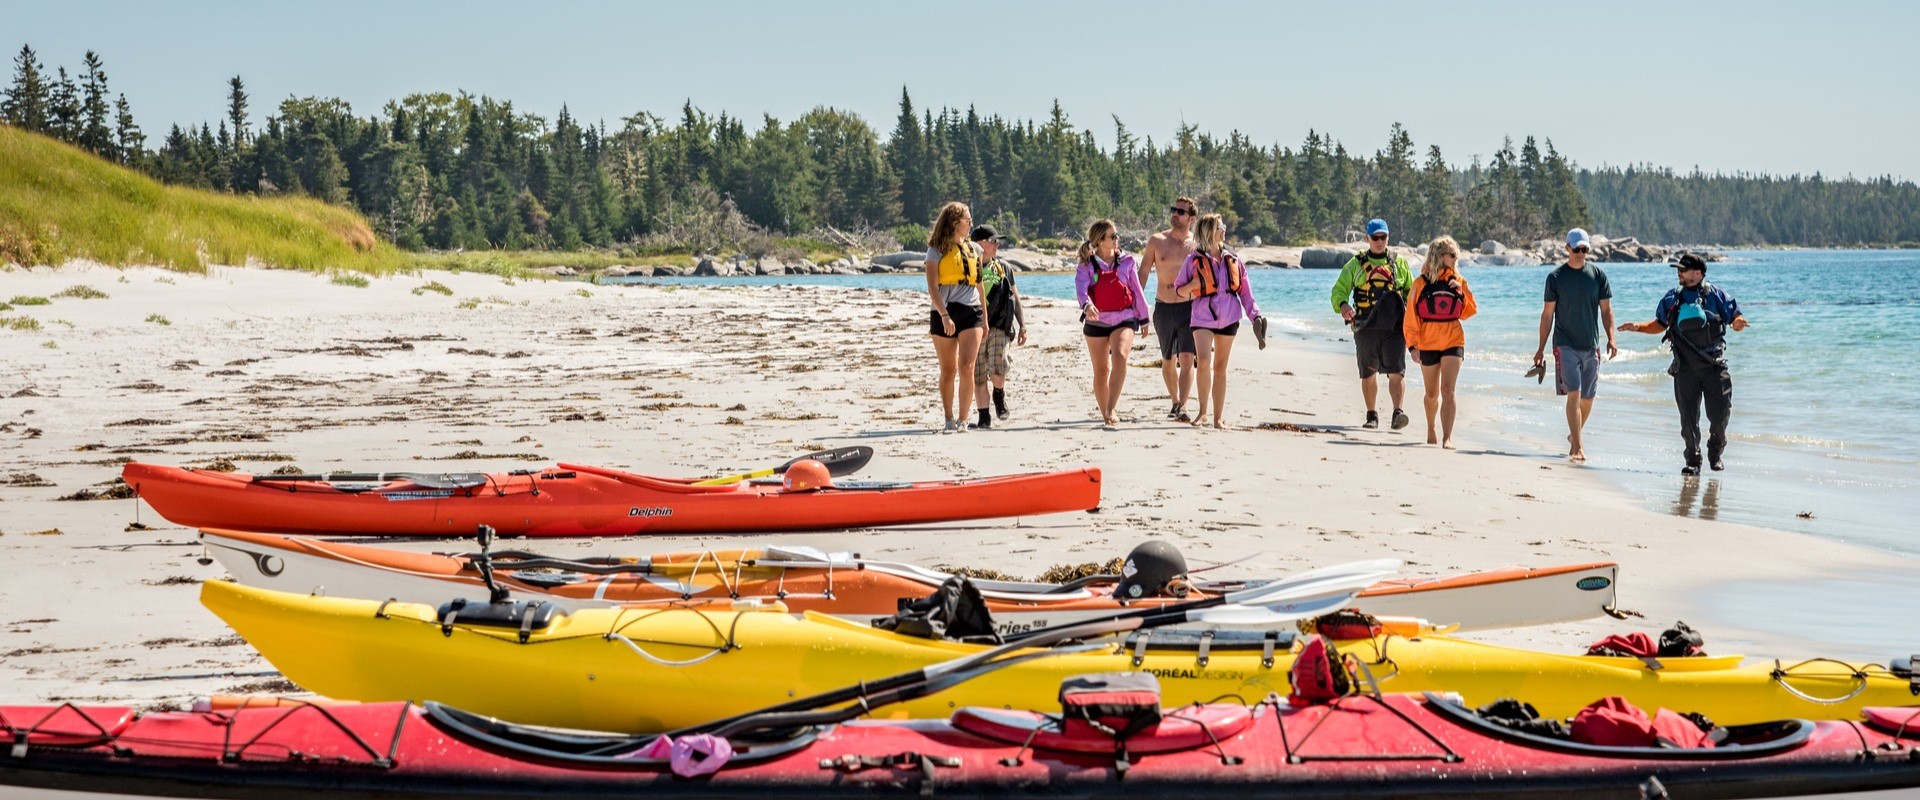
(1202, 293)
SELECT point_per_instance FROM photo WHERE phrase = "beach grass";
(59, 203)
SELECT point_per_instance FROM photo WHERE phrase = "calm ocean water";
(1824, 425)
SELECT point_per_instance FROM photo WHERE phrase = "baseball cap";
(1577, 238)
(983, 233)
(1690, 261)
(1376, 226)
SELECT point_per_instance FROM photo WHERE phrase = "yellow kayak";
(638, 670)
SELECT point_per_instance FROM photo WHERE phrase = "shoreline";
(269, 368)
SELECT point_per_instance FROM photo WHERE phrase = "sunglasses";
(1582, 249)
(1178, 211)
(1378, 237)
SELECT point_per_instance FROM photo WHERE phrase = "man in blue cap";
(1371, 296)
(1693, 319)
(1579, 307)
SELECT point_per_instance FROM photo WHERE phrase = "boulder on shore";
(902, 258)
(711, 267)
(1492, 248)
(665, 271)
(1326, 257)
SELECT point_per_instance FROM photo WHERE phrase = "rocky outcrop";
(711, 267)
(666, 271)
(895, 260)
(1326, 257)
(1492, 248)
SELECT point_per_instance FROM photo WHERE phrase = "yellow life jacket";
(959, 265)
(1209, 285)
(1377, 280)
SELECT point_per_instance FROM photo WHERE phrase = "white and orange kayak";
(845, 584)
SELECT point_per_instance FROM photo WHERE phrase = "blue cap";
(1376, 226)
(1577, 238)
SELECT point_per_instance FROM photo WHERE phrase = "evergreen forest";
(455, 171)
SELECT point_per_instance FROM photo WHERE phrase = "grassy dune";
(59, 203)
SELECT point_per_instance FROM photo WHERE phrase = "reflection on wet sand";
(1690, 493)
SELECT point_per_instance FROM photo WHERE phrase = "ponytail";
(1096, 232)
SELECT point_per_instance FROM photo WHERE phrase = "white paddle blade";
(1355, 577)
(1239, 616)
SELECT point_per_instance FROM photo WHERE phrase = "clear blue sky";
(1761, 86)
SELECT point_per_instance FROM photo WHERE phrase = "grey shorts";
(1576, 370)
(1174, 324)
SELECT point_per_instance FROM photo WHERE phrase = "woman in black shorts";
(956, 321)
(1438, 302)
(1113, 308)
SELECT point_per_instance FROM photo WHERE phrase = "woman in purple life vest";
(1216, 282)
(1113, 308)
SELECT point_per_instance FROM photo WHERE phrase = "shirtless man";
(1163, 255)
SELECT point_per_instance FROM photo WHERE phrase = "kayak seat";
(605, 750)
(547, 580)
(526, 616)
(1742, 741)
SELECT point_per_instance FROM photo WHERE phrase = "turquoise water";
(1823, 424)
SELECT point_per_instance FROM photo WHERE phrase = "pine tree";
(128, 141)
(26, 104)
(907, 155)
(237, 112)
(96, 133)
(64, 112)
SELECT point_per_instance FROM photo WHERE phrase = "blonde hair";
(1095, 232)
(946, 228)
(1206, 228)
(1429, 269)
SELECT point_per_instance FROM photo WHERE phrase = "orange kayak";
(845, 584)
(579, 500)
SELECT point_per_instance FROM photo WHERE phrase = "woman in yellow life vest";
(956, 323)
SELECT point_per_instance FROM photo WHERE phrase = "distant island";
(441, 173)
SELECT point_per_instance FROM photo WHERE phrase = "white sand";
(330, 376)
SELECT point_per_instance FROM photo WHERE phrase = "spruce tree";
(26, 104)
(129, 142)
(96, 132)
(64, 113)
(237, 112)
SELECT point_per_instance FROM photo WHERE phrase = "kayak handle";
(1780, 675)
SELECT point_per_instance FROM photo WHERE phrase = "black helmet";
(1149, 569)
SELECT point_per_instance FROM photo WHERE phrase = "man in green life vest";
(1371, 296)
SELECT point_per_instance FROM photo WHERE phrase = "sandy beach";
(267, 368)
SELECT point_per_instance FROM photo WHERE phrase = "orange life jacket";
(1209, 285)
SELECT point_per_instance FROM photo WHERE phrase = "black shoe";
(1000, 403)
(1690, 469)
(1373, 420)
(1718, 465)
(1174, 412)
(986, 420)
(1399, 419)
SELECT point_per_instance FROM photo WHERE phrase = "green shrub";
(20, 323)
(82, 293)
(433, 286)
(158, 320)
(23, 300)
(346, 279)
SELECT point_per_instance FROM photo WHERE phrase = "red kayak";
(1396, 746)
(580, 500)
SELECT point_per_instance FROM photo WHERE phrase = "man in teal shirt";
(1371, 296)
(1578, 309)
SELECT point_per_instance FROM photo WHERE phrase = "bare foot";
(1219, 426)
(1448, 444)
(1431, 439)
(1200, 420)
(1578, 456)
(1112, 420)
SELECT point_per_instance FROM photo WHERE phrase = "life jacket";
(1377, 290)
(1209, 283)
(1692, 324)
(1319, 675)
(1440, 302)
(1108, 292)
(959, 266)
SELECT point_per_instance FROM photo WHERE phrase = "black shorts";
(964, 317)
(1173, 323)
(1229, 330)
(1094, 330)
(1431, 358)
(1380, 351)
